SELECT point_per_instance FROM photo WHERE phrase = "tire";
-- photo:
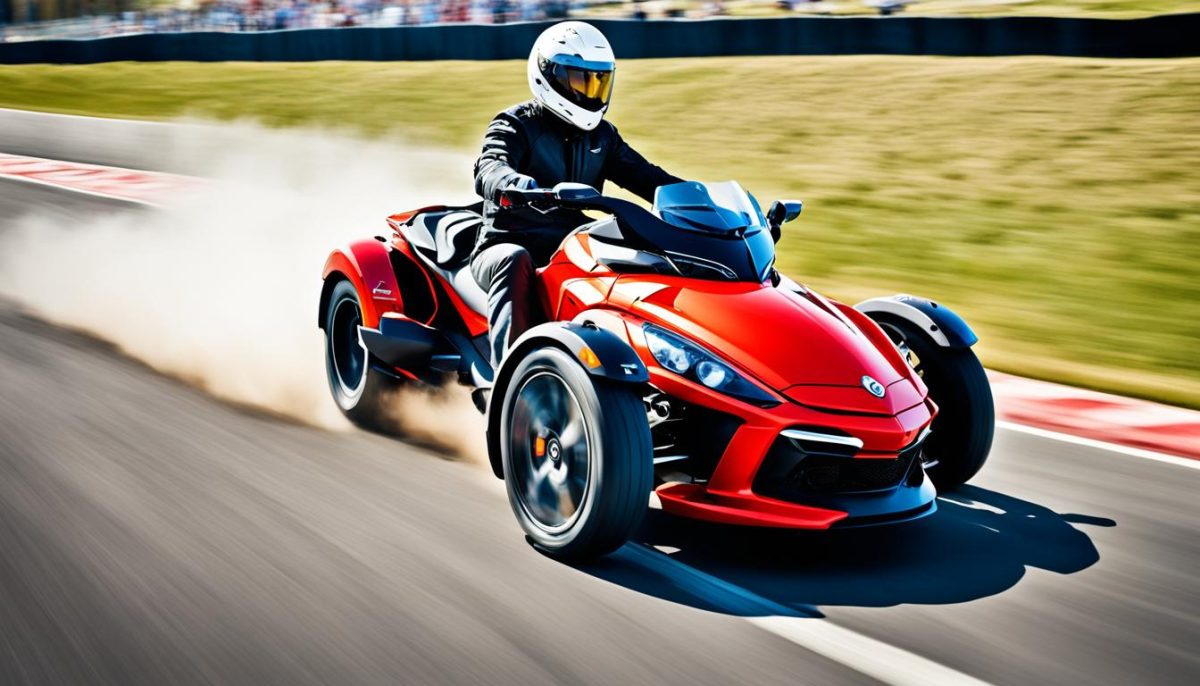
(587, 491)
(966, 421)
(359, 390)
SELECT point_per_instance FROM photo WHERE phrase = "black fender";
(939, 322)
(614, 359)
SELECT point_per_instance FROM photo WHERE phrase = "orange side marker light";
(588, 358)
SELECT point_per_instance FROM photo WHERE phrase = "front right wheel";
(577, 456)
(962, 432)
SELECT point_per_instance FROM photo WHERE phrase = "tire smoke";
(220, 286)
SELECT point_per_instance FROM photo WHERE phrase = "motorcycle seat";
(444, 240)
(452, 234)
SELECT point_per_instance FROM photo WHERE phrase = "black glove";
(519, 182)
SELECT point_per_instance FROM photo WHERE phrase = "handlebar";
(638, 228)
(518, 197)
(562, 195)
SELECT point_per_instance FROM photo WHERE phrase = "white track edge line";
(871, 657)
(1165, 458)
(86, 117)
(881, 661)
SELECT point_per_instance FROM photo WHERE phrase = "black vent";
(414, 287)
(841, 475)
(698, 432)
(791, 471)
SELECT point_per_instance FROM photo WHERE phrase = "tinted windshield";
(720, 207)
(724, 232)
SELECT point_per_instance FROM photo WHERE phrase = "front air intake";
(802, 463)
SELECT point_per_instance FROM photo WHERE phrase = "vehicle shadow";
(978, 544)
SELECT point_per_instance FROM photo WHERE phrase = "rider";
(559, 135)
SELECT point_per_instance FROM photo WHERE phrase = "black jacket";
(524, 139)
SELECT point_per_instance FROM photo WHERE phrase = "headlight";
(689, 360)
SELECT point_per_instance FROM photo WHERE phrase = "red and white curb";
(1098, 416)
(130, 185)
(1047, 407)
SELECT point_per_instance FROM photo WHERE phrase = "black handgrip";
(519, 197)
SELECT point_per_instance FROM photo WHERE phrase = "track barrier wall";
(1173, 35)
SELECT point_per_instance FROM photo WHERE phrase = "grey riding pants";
(505, 271)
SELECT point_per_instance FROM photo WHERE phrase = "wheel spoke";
(566, 505)
(541, 489)
(548, 419)
(556, 404)
(576, 485)
(573, 432)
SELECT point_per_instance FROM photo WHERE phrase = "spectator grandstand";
(33, 19)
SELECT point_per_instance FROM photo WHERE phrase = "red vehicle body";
(717, 457)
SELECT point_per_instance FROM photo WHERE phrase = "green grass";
(1054, 202)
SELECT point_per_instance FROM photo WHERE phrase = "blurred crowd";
(265, 15)
(273, 15)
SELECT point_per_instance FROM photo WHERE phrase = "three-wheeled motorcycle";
(676, 358)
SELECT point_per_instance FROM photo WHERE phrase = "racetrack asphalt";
(152, 534)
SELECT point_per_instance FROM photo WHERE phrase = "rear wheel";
(359, 390)
(966, 421)
(577, 457)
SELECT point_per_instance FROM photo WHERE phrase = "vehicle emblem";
(873, 387)
(382, 290)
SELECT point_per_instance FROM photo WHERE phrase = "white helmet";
(571, 73)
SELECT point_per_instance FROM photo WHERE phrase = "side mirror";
(575, 192)
(784, 211)
(781, 212)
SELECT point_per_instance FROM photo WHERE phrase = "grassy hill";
(1054, 202)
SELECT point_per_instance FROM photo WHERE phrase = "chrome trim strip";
(801, 435)
(925, 464)
(669, 458)
(921, 439)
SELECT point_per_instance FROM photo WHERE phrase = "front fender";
(940, 323)
(601, 353)
(368, 265)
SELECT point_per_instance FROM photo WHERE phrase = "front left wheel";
(359, 390)
(577, 456)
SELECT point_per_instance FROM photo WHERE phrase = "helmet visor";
(588, 86)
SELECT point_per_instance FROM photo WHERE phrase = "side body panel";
(445, 294)
(367, 265)
(573, 281)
